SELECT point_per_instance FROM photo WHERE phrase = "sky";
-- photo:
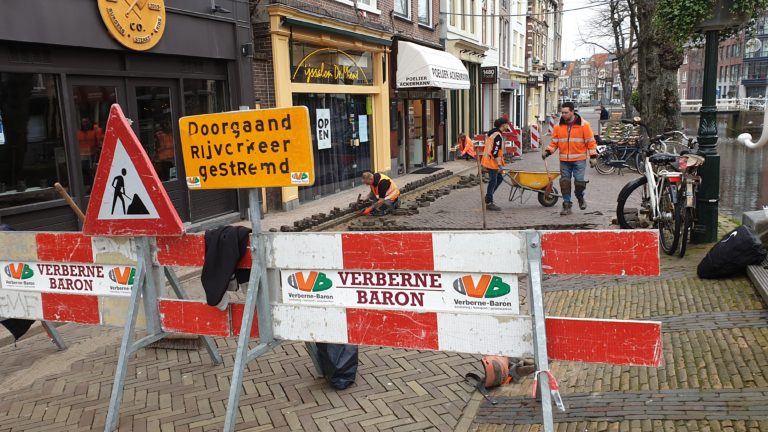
(574, 21)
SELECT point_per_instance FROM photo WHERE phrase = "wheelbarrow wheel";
(548, 201)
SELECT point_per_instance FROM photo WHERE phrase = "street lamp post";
(709, 192)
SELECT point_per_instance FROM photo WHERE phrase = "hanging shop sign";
(136, 24)
(315, 65)
(533, 80)
(489, 74)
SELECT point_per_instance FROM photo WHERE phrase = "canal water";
(743, 172)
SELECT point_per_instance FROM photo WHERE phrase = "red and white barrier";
(535, 137)
(551, 121)
(380, 319)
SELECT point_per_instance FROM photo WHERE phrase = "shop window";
(403, 8)
(92, 105)
(344, 151)
(32, 156)
(155, 119)
(203, 96)
(323, 65)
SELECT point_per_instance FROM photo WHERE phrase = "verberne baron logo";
(310, 282)
(19, 271)
(488, 287)
(122, 275)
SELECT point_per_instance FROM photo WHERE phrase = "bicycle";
(654, 196)
(688, 163)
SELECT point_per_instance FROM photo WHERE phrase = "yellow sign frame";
(248, 149)
(135, 24)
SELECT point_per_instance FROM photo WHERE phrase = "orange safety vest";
(488, 160)
(467, 147)
(88, 141)
(164, 146)
(392, 193)
(574, 142)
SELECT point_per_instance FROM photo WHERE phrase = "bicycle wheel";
(669, 223)
(603, 167)
(688, 216)
(633, 210)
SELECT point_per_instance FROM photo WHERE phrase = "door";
(92, 98)
(153, 105)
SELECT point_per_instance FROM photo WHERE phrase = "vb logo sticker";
(122, 275)
(487, 287)
(300, 177)
(19, 271)
(312, 282)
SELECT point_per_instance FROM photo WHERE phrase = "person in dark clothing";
(384, 193)
(493, 160)
(604, 117)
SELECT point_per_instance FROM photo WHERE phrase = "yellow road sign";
(248, 149)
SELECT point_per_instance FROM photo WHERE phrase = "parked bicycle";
(688, 163)
(652, 200)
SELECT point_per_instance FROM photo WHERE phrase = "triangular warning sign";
(128, 198)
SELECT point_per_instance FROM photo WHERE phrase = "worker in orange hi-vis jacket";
(574, 139)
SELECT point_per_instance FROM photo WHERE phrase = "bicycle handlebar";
(746, 138)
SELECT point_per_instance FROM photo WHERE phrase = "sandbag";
(732, 254)
(339, 363)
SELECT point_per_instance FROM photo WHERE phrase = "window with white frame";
(685, 76)
(425, 12)
(366, 5)
(403, 8)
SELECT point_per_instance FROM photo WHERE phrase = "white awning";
(419, 66)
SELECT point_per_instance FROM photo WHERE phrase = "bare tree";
(613, 29)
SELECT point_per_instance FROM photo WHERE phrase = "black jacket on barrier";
(224, 247)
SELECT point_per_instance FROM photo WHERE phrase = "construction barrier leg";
(533, 240)
(126, 345)
(209, 344)
(257, 299)
(53, 334)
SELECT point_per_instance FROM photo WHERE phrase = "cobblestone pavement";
(714, 376)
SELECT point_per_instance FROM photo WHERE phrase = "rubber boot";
(565, 187)
(580, 187)
(566, 208)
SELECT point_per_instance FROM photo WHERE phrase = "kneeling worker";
(384, 194)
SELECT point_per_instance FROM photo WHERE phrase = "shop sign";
(331, 66)
(533, 80)
(402, 290)
(489, 74)
(323, 130)
(67, 278)
(248, 149)
(137, 24)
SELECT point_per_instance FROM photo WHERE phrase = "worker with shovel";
(493, 160)
(574, 139)
(136, 207)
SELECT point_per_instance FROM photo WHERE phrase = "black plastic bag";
(339, 363)
(732, 254)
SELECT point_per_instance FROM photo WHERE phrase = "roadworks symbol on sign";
(128, 197)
